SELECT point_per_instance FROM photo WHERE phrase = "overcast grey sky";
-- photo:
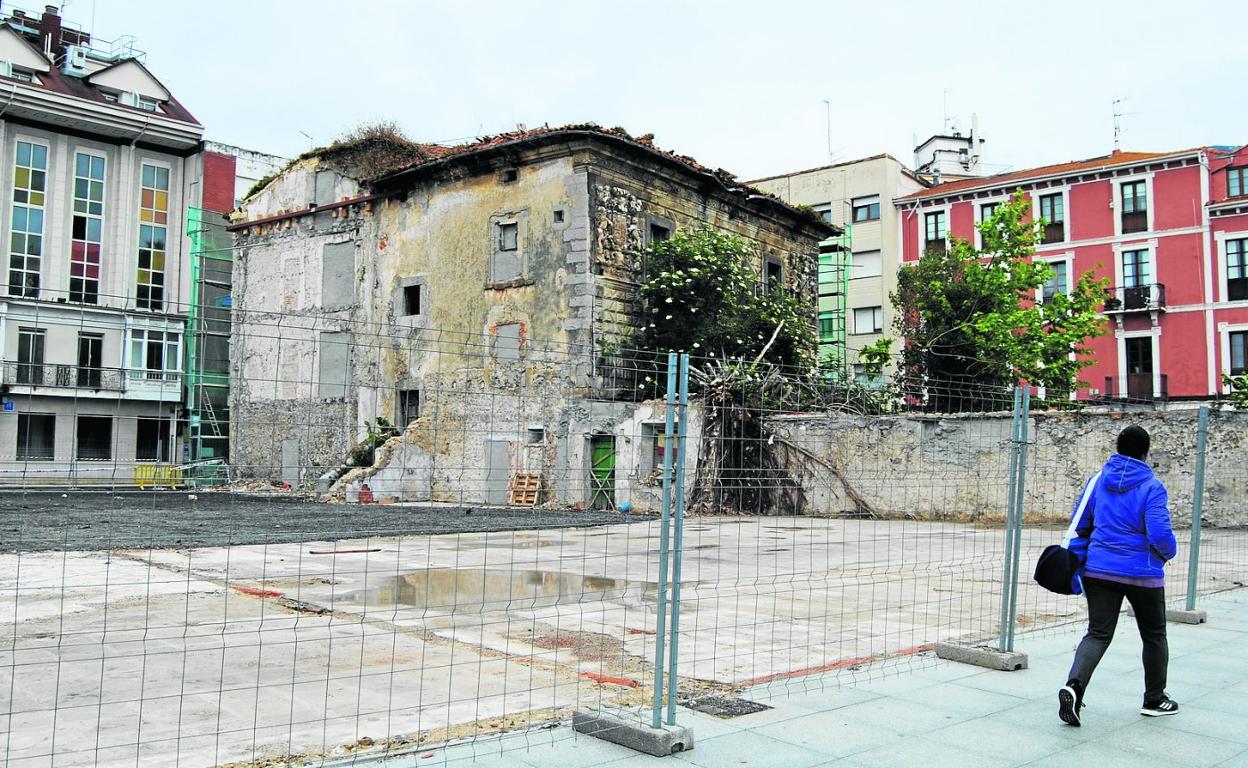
(740, 85)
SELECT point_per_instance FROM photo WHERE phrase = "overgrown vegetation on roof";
(370, 151)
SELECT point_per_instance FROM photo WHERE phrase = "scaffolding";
(835, 256)
(208, 343)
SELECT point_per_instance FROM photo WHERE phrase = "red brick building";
(1168, 230)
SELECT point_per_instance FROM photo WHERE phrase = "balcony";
(60, 376)
(1135, 221)
(1054, 232)
(1139, 388)
(1136, 298)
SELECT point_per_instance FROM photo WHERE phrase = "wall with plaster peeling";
(956, 467)
(522, 269)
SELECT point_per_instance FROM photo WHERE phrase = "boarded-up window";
(338, 275)
(507, 259)
(333, 354)
(507, 342)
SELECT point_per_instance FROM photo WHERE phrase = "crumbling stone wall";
(957, 467)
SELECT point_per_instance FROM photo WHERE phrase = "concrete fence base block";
(633, 733)
(982, 656)
(1180, 616)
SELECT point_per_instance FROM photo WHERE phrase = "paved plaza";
(245, 654)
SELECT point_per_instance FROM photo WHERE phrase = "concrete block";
(983, 656)
(1179, 616)
(634, 733)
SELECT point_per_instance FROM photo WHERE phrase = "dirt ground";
(88, 520)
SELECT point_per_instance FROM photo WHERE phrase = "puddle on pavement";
(467, 590)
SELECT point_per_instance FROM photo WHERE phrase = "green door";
(602, 472)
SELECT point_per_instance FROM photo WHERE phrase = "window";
(1058, 283)
(507, 236)
(508, 175)
(868, 320)
(90, 360)
(151, 440)
(149, 105)
(1237, 182)
(934, 230)
(1134, 206)
(36, 437)
(1237, 270)
(988, 210)
(659, 234)
(154, 354)
(827, 326)
(30, 171)
(824, 211)
(153, 231)
(558, 217)
(409, 406)
(866, 264)
(535, 436)
(30, 342)
(1239, 352)
(23, 75)
(95, 438)
(773, 277)
(411, 299)
(1136, 268)
(88, 227)
(508, 342)
(866, 209)
(1052, 210)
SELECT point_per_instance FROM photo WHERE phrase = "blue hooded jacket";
(1125, 529)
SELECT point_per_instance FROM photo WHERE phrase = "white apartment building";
(98, 164)
(857, 195)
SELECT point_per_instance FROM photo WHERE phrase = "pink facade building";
(1168, 230)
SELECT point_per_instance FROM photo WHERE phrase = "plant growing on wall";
(969, 320)
(704, 296)
(1239, 390)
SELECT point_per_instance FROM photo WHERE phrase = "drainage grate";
(725, 707)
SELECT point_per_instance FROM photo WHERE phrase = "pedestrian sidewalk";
(949, 714)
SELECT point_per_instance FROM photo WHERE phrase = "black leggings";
(1104, 603)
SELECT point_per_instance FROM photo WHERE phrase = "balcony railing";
(1136, 298)
(141, 375)
(1139, 388)
(61, 376)
(1134, 221)
(1054, 232)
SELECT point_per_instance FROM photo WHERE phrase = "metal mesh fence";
(424, 538)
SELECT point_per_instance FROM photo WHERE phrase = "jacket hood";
(1122, 473)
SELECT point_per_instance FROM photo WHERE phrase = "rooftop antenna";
(944, 109)
(1118, 113)
(308, 136)
(828, 104)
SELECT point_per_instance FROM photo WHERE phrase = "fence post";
(660, 630)
(678, 513)
(1020, 488)
(1009, 519)
(1198, 506)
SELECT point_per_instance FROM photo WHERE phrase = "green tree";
(703, 297)
(969, 319)
(1239, 390)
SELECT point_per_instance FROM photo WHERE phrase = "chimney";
(50, 32)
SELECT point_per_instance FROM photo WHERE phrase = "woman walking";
(1123, 539)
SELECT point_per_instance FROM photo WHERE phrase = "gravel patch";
(92, 520)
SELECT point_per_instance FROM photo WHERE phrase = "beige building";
(857, 195)
(472, 296)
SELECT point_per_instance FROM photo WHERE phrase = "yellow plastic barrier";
(156, 475)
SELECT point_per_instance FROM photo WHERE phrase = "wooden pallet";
(524, 489)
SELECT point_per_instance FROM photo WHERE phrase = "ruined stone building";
(469, 295)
